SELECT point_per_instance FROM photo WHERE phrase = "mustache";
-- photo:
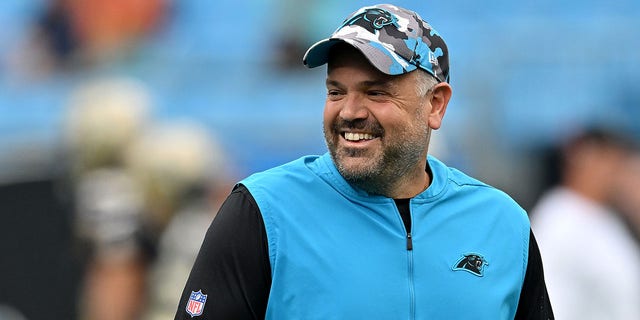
(369, 126)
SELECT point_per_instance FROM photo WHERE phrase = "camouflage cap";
(394, 39)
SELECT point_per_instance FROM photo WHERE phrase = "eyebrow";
(384, 83)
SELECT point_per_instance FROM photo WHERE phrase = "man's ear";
(439, 100)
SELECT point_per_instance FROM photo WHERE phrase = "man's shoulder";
(453, 175)
(287, 172)
(463, 182)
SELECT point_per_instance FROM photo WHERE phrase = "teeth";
(352, 136)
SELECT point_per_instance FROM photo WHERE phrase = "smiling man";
(376, 228)
(377, 126)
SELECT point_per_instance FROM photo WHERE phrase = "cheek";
(328, 116)
(424, 115)
(331, 112)
(392, 119)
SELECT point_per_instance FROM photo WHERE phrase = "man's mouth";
(356, 136)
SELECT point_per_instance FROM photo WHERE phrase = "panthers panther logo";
(372, 19)
(473, 263)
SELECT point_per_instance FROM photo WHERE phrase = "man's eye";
(333, 92)
(376, 93)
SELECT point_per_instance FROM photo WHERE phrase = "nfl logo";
(196, 302)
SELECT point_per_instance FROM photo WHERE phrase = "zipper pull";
(409, 242)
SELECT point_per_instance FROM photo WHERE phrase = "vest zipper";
(412, 296)
(405, 207)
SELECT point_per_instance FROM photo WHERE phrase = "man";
(591, 257)
(374, 229)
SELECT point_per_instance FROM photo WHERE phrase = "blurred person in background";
(145, 194)
(183, 172)
(104, 117)
(627, 195)
(76, 35)
(591, 261)
(65, 37)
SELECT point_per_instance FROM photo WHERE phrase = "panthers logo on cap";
(472, 263)
(372, 19)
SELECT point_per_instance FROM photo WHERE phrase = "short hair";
(424, 82)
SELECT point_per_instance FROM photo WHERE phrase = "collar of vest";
(328, 171)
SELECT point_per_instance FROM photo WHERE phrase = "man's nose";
(354, 107)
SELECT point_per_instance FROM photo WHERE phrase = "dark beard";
(397, 162)
(384, 172)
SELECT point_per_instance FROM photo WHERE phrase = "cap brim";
(318, 54)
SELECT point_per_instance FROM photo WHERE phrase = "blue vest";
(337, 252)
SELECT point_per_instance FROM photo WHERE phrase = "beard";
(378, 171)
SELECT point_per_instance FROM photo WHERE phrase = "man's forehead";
(369, 77)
